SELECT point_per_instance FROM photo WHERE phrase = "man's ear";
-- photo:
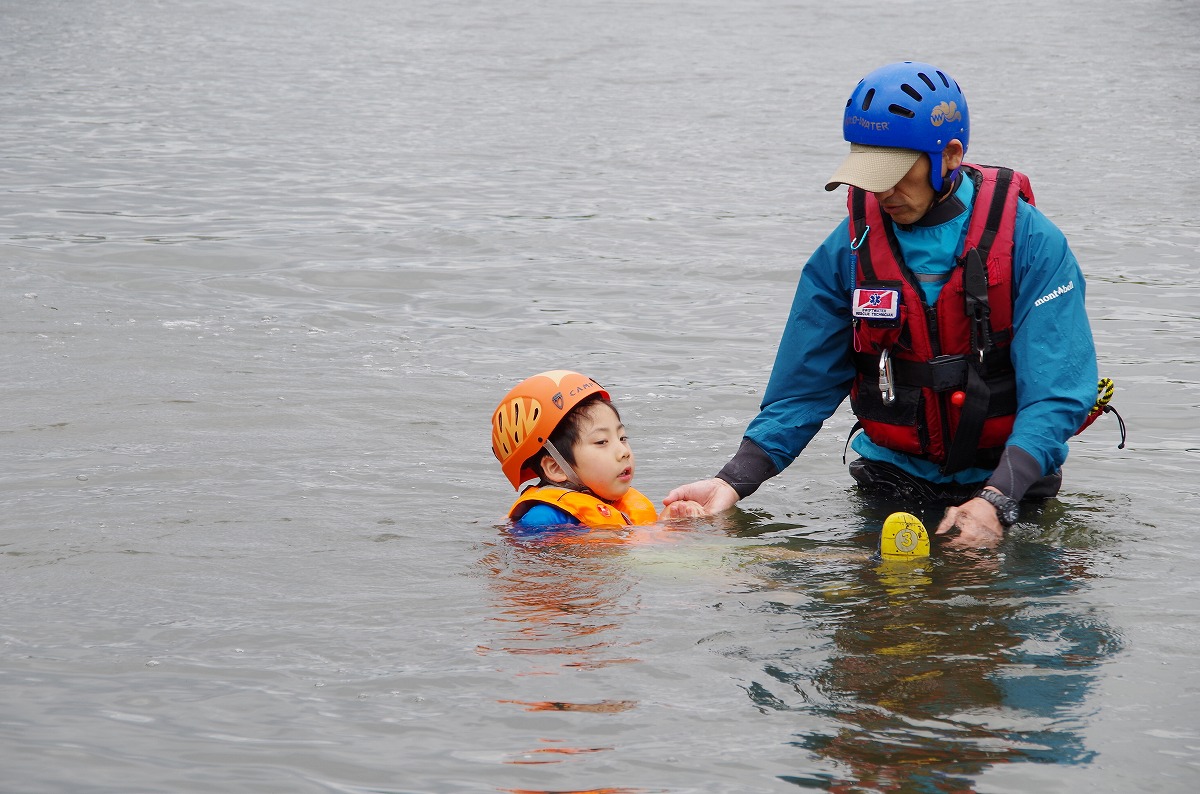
(952, 156)
(552, 471)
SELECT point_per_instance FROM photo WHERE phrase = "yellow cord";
(1104, 393)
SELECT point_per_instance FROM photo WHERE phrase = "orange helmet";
(528, 414)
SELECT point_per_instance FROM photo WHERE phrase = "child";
(561, 428)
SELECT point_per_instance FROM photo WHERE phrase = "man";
(948, 308)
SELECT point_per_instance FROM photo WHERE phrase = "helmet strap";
(949, 182)
(572, 478)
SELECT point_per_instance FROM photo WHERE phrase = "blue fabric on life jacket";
(540, 517)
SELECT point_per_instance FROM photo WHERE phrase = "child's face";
(603, 457)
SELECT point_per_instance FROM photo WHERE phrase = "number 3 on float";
(903, 538)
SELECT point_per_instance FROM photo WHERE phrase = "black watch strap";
(1007, 509)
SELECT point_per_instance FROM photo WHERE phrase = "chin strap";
(572, 477)
(950, 183)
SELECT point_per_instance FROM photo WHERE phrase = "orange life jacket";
(632, 509)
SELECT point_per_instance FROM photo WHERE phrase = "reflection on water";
(937, 670)
(572, 610)
(559, 599)
(561, 596)
(919, 675)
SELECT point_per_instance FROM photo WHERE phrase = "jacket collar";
(947, 209)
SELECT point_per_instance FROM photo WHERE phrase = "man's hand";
(978, 525)
(714, 495)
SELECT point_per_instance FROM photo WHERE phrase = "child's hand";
(683, 509)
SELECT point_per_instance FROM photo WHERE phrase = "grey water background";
(268, 266)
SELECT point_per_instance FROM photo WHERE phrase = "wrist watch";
(1007, 510)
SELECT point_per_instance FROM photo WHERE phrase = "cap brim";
(873, 168)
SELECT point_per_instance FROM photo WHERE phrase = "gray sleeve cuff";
(1016, 472)
(749, 468)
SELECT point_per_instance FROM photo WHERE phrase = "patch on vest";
(876, 304)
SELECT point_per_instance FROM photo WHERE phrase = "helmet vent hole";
(925, 78)
(900, 110)
(867, 99)
(946, 80)
(912, 92)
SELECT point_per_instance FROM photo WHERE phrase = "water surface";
(270, 266)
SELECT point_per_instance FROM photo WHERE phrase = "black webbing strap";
(858, 425)
(944, 373)
(961, 452)
(859, 229)
(1004, 178)
(975, 296)
(962, 449)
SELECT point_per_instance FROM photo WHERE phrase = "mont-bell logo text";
(1049, 296)
(876, 304)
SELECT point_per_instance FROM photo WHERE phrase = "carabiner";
(885, 379)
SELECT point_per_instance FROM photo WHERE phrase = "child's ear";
(552, 471)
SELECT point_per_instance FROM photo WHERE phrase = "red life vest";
(632, 509)
(959, 344)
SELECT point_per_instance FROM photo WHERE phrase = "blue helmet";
(908, 105)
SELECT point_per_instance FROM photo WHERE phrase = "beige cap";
(873, 168)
